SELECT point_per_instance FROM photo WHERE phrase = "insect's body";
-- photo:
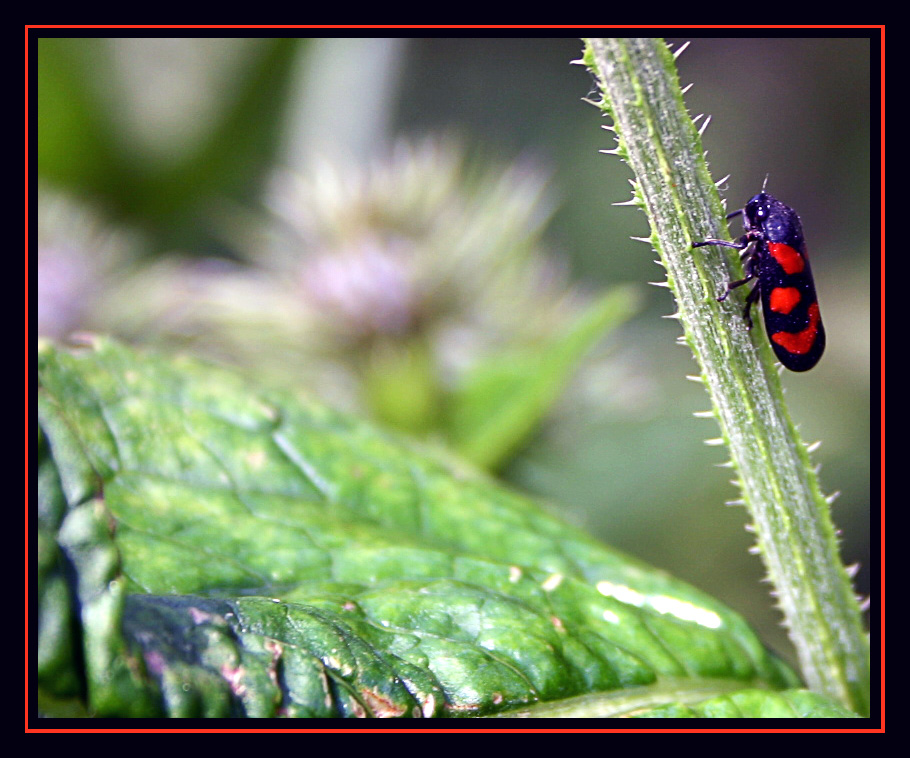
(780, 266)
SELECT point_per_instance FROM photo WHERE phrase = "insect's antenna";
(765, 182)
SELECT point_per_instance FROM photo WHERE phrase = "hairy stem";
(780, 490)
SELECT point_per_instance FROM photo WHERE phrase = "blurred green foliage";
(85, 144)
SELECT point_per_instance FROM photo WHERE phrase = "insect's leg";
(733, 285)
(750, 300)
(740, 244)
(746, 257)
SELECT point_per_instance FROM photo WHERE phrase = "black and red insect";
(778, 261)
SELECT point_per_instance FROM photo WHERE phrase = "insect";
(778, 261)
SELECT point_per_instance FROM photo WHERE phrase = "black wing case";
(790, 305)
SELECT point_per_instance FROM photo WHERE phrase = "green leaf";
(754, 704)
(504, 398)
(210, 549)
(687, 699)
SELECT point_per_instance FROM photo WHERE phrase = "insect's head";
(757, 210)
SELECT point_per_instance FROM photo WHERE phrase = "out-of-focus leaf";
(238, 152)
(208, 549)
(85, 148)
(75, 134)
(400, 385)
(504, 397)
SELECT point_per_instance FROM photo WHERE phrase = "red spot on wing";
(789, 258)
(784, 299)
(800, 343)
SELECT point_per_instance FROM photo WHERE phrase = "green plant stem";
(780, 490)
